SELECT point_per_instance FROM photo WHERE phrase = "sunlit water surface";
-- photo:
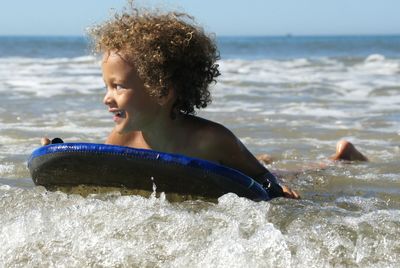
(293, 104)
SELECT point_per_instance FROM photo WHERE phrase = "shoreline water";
(293, 101)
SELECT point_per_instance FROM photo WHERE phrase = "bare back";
(196, 137)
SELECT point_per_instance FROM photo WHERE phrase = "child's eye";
(118, 87)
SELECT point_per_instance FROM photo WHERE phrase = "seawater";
(291, 97)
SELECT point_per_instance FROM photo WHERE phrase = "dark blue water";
(308, 47)
(43, 46)
(267, 47)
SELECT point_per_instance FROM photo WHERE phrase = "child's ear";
(167, 96)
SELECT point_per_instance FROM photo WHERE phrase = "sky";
(223, 17)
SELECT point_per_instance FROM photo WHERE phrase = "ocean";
(291, 97)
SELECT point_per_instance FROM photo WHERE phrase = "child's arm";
(250, 165)
(233, 153)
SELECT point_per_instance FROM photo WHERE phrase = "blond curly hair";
(168, 50)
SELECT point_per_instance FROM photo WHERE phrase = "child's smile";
(118, 114)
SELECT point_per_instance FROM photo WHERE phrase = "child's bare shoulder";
(213, 140)
(209, 130)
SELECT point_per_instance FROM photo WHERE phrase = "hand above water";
(46, 141)
(289, 193)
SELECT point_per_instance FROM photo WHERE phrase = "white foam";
(312, 110)
(376, 64)
(342, 82)
(99, 230)
(49, 77)
(6, 168)
(375, 57)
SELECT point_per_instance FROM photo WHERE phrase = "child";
(157, 69)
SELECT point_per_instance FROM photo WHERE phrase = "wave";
(50, 77)
(369, 80)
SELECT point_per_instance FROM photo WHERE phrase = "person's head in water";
(168, 52)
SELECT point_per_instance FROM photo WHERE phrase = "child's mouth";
(119, 114)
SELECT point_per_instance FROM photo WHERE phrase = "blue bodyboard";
(74, 164)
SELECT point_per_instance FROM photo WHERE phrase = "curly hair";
(167, 49)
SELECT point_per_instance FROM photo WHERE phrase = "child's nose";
(108, 97)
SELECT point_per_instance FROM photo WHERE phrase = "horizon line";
(222, 35)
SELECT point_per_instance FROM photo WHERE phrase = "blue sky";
(224, 17)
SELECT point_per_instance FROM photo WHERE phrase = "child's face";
(126, 96)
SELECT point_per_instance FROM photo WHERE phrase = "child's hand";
(289, 193)
(45, 141)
